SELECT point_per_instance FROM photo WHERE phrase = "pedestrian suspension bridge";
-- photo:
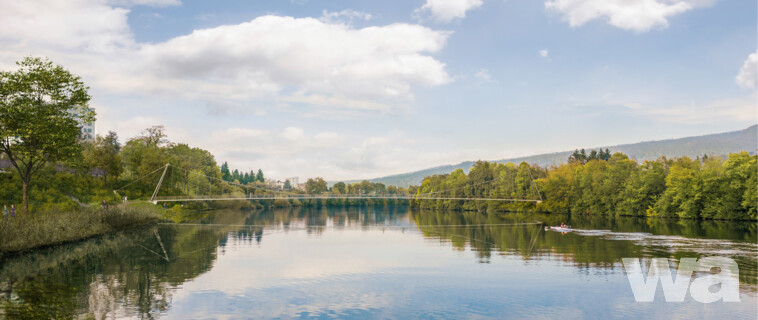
(275, 194)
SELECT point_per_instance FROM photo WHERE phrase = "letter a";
(728, 278)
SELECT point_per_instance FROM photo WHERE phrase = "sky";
(362, 89)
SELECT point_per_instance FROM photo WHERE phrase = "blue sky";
(347, 90)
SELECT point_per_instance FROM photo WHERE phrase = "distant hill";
(712, 144)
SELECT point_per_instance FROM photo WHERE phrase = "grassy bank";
(51, 227)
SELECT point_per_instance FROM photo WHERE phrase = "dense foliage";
(708, 188)
(41, 106)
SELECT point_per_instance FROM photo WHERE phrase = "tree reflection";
(128, 274)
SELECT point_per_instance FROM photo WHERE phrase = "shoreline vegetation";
(711, 188)
(49, 228)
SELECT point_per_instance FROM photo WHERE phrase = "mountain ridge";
(692, 146)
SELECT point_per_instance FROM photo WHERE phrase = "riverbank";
(51, 227)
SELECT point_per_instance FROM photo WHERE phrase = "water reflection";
(349, 262)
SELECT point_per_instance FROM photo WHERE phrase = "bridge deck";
(305, 197)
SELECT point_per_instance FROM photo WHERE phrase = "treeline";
(707, 188)
(374, 194)
(241, 178)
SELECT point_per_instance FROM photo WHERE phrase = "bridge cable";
(130, 183)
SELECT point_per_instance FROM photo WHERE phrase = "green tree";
(287, 185)
(103, 155)
(340, 187)
(315, 186)
(41, 106)
(259, 176)
(225, 174)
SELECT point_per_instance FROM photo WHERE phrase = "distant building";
(87, 128)
(274, 184)
(294, 181)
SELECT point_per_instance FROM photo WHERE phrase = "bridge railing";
(291, 196)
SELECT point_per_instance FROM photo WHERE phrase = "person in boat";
(563, 225)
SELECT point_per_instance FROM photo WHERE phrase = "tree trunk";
(26, 200)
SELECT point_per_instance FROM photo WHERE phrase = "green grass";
(49, 228)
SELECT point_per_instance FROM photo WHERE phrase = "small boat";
(560, 229)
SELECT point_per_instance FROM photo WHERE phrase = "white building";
(87, 129)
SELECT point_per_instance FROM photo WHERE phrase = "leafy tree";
(287, 185)
(41, 106)
(315, 186)
(259, 176)
(339, 187)
(103, 155)
(155, 135)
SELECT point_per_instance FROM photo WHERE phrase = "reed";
(52, 227)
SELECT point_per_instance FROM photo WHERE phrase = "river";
(360, 263)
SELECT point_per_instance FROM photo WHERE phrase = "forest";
(599, 183)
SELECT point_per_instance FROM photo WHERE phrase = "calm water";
(370, 263)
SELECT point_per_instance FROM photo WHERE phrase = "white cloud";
(132, 127)
(337, 101)
(91, 25)
(448, 10)
(543, 53)
(483, 75)
(307, 55)
(330, 64)
(748, 73)
(721, 111)
(347, 14)
(635, 15)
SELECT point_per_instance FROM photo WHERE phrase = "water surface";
(370, 263)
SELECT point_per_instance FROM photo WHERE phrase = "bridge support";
(158, 187)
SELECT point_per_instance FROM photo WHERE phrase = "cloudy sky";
(360, 89)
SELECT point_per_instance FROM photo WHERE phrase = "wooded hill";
(720, 144)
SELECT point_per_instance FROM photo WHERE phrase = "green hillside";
(712, 144)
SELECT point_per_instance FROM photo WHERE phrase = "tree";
(225, 174)
(103, 155)
(287, 185)
(315, 186)
(339, 187)
(259, 176)
(155, 135)
(41, 106)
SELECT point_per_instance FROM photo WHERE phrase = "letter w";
(644, 291)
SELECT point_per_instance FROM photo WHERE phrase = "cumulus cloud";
(448, 10)
(634, 15)
(273, 53)
(748, 73)
(543, 53)
(82, 24)
(323, 61)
